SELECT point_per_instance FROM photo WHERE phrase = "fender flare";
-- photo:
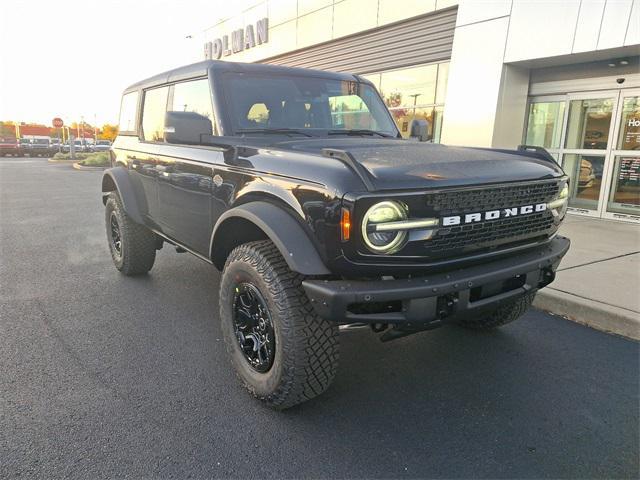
(291, 239)
(117, 178)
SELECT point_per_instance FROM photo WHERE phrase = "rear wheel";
(282, 351)
(132, 246)
(506, 313)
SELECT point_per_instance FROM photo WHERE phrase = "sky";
(72, 58)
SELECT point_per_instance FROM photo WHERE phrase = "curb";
(603, 317)
(64, 160)
(77, 166)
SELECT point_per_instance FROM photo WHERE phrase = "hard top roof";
(201, 69)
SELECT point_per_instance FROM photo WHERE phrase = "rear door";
(144, 162)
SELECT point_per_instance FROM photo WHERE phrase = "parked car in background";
(24, 146)
(40, 147)
(9, 146)
(55, 145)
(102, 146)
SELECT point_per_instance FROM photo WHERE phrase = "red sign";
(57, 122)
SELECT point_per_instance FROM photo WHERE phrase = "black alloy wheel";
(116, 236)
(253, 327)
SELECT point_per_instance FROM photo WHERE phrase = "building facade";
(561, 74)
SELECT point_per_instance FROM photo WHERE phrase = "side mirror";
(420, 129)
(186, 127)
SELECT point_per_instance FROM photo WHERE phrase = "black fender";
(117, 178)
(287, 234)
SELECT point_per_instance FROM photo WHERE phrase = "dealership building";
(560, 74)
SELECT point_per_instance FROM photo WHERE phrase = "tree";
(109, 132)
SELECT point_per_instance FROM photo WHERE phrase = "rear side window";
(155, 105)
(128, 108)
(193, 96)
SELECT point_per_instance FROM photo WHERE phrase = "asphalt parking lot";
(104, 376)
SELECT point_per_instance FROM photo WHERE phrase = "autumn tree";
(109, 132)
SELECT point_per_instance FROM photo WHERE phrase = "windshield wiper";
(357, 131)
(284, 131)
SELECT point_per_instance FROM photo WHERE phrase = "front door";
(596, 138)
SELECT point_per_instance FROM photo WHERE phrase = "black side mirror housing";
(186, 127)
(420, 129)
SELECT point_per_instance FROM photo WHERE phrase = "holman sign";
(241, 39)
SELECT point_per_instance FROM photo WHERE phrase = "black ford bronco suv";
(297, 185)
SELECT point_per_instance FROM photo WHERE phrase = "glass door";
(622, 191)
(588, 137)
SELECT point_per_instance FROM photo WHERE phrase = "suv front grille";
(480, 200)
(459, 239)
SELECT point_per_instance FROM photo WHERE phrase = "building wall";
(296, 24)
(495, 43)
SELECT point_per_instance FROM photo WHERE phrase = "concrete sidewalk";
(598, 282)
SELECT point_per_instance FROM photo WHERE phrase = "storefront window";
(586, 173)
(625, 186)
(409, 87)
(544, 128)
(589, 122)
(415, 96)
(629, 138)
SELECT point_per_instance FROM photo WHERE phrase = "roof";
(202, 69)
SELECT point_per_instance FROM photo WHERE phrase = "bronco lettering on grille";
(493, 214)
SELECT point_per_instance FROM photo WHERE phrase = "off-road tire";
(138, 247)
(506, 313)
(307, 347)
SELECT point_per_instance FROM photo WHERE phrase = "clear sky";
(73, 58)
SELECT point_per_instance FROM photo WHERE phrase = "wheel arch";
(117, 179)
(259, 220)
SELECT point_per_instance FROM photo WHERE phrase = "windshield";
(312, 105)
(40, 141)
(103, 142)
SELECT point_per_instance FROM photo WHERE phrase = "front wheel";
(505, 313)
(282, 351)
(132, 246)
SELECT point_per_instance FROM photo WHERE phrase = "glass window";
(585, 172)
(443, 78)
(625, 186)
(544, 127)
(304, 102)
(404, 118)
(194, 97)
(589, 122)
(128, 110)
(258, 114)
(629, 138)
(409, 87)
(155, 106)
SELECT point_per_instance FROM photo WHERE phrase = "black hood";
(398, 164)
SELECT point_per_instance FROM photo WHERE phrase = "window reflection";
(404, 118)
(194, 97)
(589, 122)
(544, 127)
(128, 109)
(625, 186)
(415, 97)
(585, 172)
(409, 87)
(630, 124)
(155, 105)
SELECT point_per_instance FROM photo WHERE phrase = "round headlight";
(386, 241)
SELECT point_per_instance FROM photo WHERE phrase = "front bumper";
(434, 298)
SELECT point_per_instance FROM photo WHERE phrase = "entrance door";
(596, 138)
(622, 191)
(588, 137)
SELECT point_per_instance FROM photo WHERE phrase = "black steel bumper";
(433, 298)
